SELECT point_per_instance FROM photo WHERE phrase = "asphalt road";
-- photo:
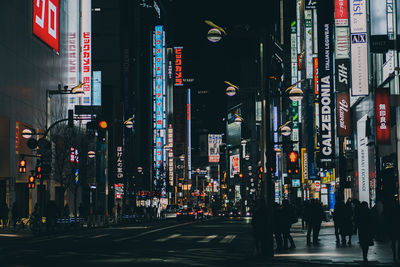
(216, 242)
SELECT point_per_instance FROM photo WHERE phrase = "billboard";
(343, 114)
(363, 164)
(214, 141)
(382, 116)
(326, 92)
(359, 47)
(86, 50)
(46, 22)
(234, 163)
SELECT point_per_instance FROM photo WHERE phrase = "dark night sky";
(213, 63)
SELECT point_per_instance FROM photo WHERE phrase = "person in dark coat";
(316, 219)
(278, 226)
(393, 217)
(346, 228)
(288, 218)
(365, 229)
(338, 218)
(4, 214)
(260, 224)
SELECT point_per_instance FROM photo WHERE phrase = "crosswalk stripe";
(168, 238)
(228, 239)
(207, 239)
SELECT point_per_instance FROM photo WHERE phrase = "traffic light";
(31, 182)
(293, 167)
(103, 124)
(241, 175)
(260, 171)
(22, 166)
(39, 172)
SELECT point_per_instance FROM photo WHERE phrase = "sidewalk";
(328, 253)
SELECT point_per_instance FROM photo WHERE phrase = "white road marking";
(98, 236)
(228, 239)
(168, 238)
(207, 239)
(152, 231)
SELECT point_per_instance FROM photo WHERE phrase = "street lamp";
(295, 93)
(232, 89)
(215, 33)
(285, 130)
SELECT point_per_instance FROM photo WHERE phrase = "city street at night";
(215, 242)
(200, 133)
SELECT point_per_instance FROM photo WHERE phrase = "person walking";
(259, 223)
(338, 218)
(347, 225)
(364, 224)
(317, 217)
(278, 227)
(393, 217)
(288, 218)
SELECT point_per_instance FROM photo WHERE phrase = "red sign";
(46, 22)
(341, 13)
(316, 75)
(343, 114)
(382, 115)
(178, 66)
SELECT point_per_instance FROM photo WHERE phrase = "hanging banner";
(363, 164)
(342, 77)
(86, 51)
(359, 47)
(326, 97)
(342, 43)
(382, 116)
(343, 114)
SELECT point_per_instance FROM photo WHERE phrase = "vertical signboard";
(382, 116)
(341, 13)
(343, 114)
(359, 47)
(96, 96)
(73, 50)
(46, 22)
(214, 141)
(120, 163)
(308, 43)
(171, 162)
(86, 50)
(159, 109)
(363, 165)
(304, 165)
(326, 99)
(178, 66)
(189, 134)
(293, 52)
(342, 43)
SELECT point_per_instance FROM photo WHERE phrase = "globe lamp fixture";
(296, 94)
(286, 131)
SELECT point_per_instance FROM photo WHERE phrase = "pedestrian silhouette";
(364, 224)
(346, 228)
(394, 228)
(288, 218)
(338, 218)
(259, 223)
(278, 226)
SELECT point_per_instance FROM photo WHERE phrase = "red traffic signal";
(22, 166)
(103, 124)
(39, 172)
(31, 182)
(293, 156)
(241, 175)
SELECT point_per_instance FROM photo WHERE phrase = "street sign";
(317, 186)
(87, 110)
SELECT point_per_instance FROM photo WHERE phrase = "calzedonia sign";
(326, 97)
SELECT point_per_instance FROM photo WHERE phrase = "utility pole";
(265, 149)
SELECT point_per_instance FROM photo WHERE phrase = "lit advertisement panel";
(359, 47)
(309, 43)
(159, 109)
(343, 114)
(178, 66)
(214, 141)
(341, 13)
(189, 135)
(46, 22)
(86, 50)
(382, 116)
(234, 165)
(363, 160)
(96, 101)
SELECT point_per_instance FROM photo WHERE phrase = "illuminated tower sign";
(159, 110)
